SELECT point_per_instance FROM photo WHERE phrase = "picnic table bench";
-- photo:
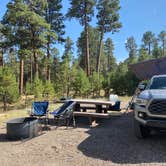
(93, 116)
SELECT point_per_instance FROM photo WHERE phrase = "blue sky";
(137, 17)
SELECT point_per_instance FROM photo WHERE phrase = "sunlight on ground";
(125, 98)
(12, 114)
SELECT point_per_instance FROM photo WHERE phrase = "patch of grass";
(16, 113)
(5, 116)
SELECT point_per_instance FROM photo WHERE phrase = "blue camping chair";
(64, 113)
(115, 107)
(40, 109)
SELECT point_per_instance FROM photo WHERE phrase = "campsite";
(85, 145)
(82, 82)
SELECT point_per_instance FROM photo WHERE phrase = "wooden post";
(77, 107)
(98, 108)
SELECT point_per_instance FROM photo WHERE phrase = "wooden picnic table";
(98, 105)
(86, 104)
(100, 108)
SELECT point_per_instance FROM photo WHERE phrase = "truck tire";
(140, 131)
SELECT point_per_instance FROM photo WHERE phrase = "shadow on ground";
(3, 138)
(114, 140)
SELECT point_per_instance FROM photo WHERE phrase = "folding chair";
(40, 109)
(116, 106)
(64, 113)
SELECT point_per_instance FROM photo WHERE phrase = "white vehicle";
(150, 107)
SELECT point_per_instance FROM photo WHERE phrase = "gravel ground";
(110, 143)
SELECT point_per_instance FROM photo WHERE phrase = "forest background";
(38, 58)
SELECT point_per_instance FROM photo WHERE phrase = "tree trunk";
(149, 51)
(99, 54)
(106, 92)
(1, 58)
(87, 41)
(68, 91)
(4, 102)
(31, 68)
(87, 51)
(55, 68)
(163, 48)
(48, 60)
(36, 67)
(108, 66)
(21, 78)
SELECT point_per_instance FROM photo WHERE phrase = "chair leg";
(74, 121)
(40, 124)
(67, 123)
(59, 122)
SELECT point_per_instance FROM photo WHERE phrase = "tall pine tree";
(108, 50)
(24, 17)
(83, 11)
(56, 20)
(131, 47)
(148, 40)
(108, 21)
(162, 38)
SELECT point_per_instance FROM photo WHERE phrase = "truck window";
(158, 83)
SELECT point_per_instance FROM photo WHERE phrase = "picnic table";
(98, 105)
(100, 109)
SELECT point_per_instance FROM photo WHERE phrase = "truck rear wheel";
(140, 131)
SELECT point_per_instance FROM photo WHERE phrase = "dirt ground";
(112, 142)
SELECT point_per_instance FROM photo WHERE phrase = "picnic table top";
(90, 101)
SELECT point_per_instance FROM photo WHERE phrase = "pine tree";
(131, 47)
(108, 21)
(162, 38)
(68, 49)
(148, 40)
(157, 52)
(66, 66)
(93, 48)
(8, 87)
(143, 54)
(38, 29)
(1, 45)
(27, 26)
(108, 50)
(83, 11)
(56, 20)
(81, 85)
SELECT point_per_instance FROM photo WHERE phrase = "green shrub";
(8, 86)
(48, 89)
(81, 85)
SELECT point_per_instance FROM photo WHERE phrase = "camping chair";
(64, 113)
(40, 109)
(116, 106)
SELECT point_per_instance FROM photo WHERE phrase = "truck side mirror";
(141, 87)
